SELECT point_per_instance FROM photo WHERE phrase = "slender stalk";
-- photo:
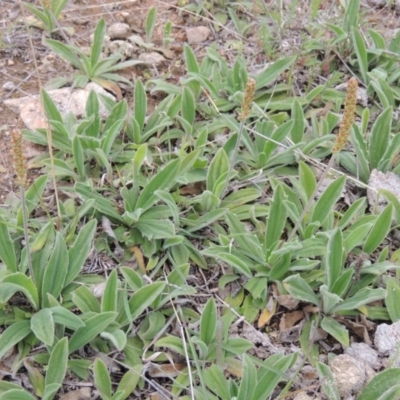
(26, 233)
(340, 142)
(246, 105)
(21, 173)
(48, 130)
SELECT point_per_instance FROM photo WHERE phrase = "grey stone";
(152, 58)
(119, 30)
(363, 352)
(348, 373)
(387, 338)
(198, 34)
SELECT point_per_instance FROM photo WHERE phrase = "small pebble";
(8, 86)
(119, 30)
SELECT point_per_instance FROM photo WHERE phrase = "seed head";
(247, 99)
(18, 157)
(348, 116)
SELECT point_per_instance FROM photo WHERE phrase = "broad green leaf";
(218, 170)
(249, 379)
(102, 379)
(393, 299)
(273, 71)
(247, 241)
(298, 128)
(24, 284)
(140, 104)
(104, 206)
(342, 284)
(361, 52)
(129, 382)
(351, 15)
(208, 322)
(65, 317)
(356, 237)
(113, 126)
(300, 289)
(57, 367)
(7, 250)
(236, 263)
(362, 297)
(132, 278)
(334, 257)
(276, 219)
(42, 325)
(151, 23)
(328, 299)
(379, 140)
(117, 337)
(98, 38)
(379, 230)
(93, 327)
(192, 66)
(361, 150)
(355, 210)
(188, 106)
(336, 330)
(215, 380)
(35, 377)
(140, 300)
(78, 252)
(65, 51)
(326, 202)
(379, 384)
(164, 179)
(85, 300)
(55, 270)
(171, 342)
(307, 179)
(16, 394)
(13, 335)
(109, 298)
(50, 108)
(156, 229)
(327, 381)
(79, 156)
(268, 381)
(308, 347)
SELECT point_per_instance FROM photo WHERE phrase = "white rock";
(121, 46)
(382, 180)
(387, 339)
(152, 58)
(363, 352)
(119, 30)
(303, 396)
(8, 86)
(66, 100)
(198, 34)
(349, 374)
(362, 96)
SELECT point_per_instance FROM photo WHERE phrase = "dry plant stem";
(341, 139)
(26, 234)
(185, 349)
(233, 162)
(311, 199)
(246, 106)
(48, 130)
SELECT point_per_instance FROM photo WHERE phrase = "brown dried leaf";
(81, 394)
(267, 313)
(166, 370)
(110, 86)
(288, 320)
